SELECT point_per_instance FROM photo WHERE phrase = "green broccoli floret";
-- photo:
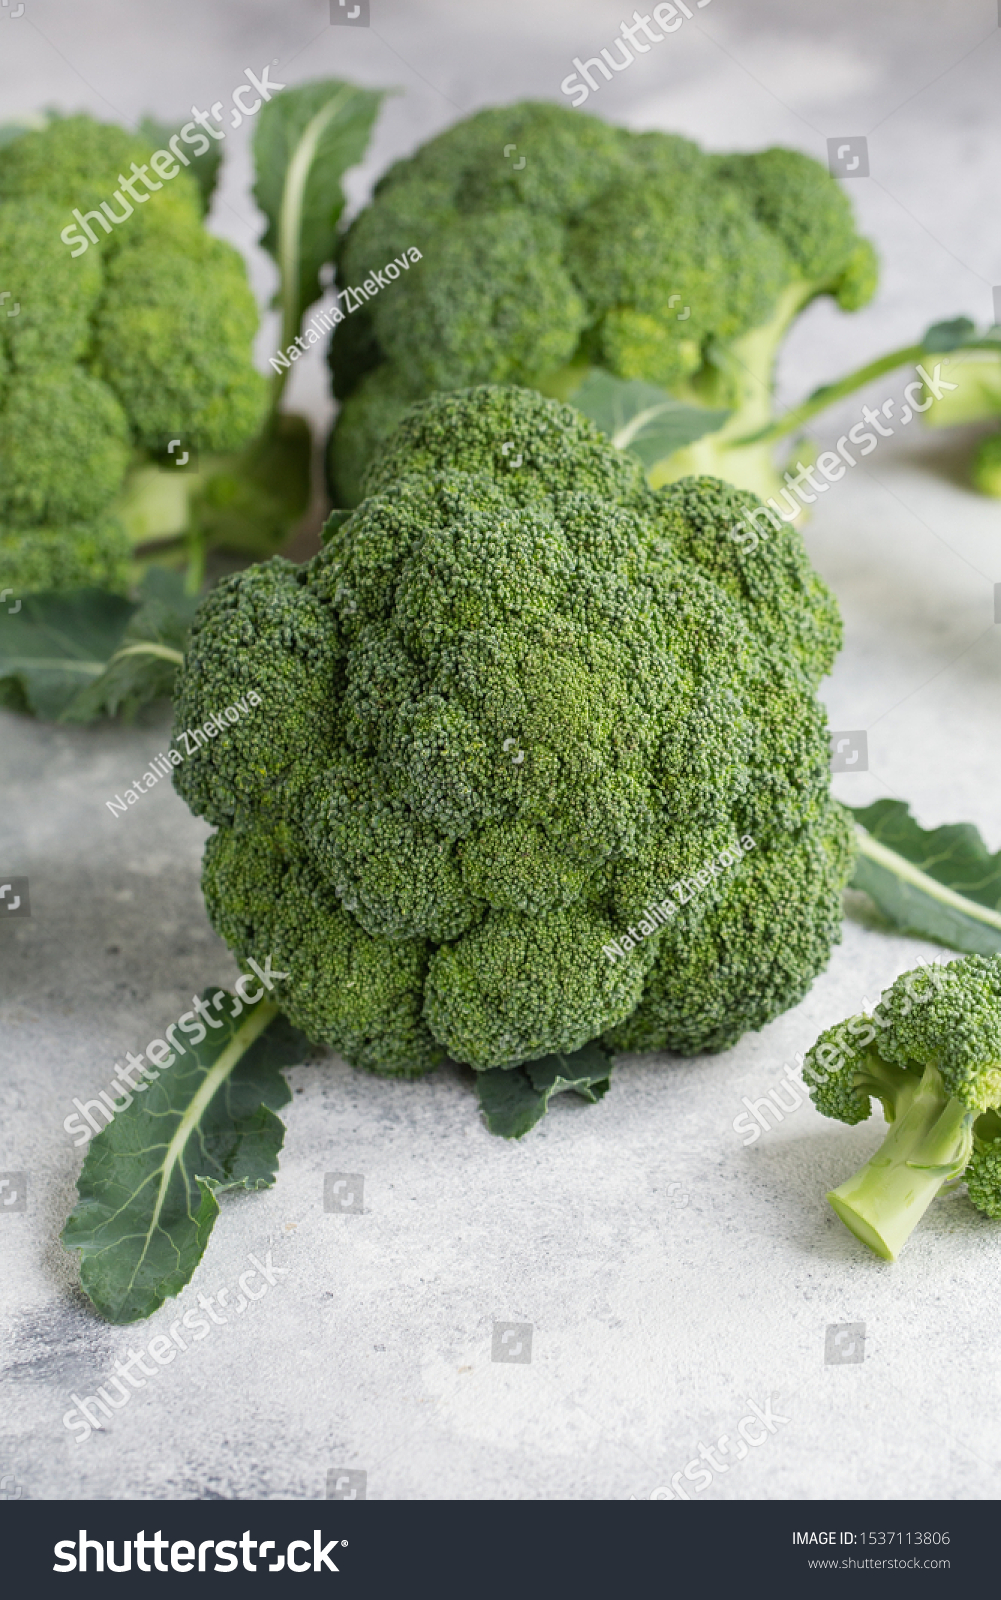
(518, 697)
(172, 337)
(972, 393)
(64, 447)
(143, 335)
(931, 1055)
(637, 254)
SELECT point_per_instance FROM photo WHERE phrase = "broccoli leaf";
(145, 664)
(514, 1099)
(937, 883)
(150, 1178)
(944, 336)
(959, 334)
(305, 140)
(56, 644)
(642, 418)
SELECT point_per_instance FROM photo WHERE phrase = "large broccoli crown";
(589, 244)
(145, 335)
(516, 698)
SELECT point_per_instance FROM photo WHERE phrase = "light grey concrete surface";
(673, 1276)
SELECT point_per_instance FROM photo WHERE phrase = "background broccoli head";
(636, 253)
(930, 1053)
(145, 335)
(516, 698)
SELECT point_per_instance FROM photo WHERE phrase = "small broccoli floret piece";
(514, 699)
(634, 253)
(931, 1054)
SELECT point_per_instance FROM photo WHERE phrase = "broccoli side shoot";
(636, 255)
(930, 1053)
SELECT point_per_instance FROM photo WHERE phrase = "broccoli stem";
(929, 1143)
(740, 376)
(825, 396)
(196, 545)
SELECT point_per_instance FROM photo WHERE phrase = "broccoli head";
(144, 334)
(930, 1053)
(636, 253)
(519, 698)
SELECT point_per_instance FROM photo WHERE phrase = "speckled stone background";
(672, 1277)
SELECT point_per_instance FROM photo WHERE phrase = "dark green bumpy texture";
(147, 334)
(516, 696)
(588, 245)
